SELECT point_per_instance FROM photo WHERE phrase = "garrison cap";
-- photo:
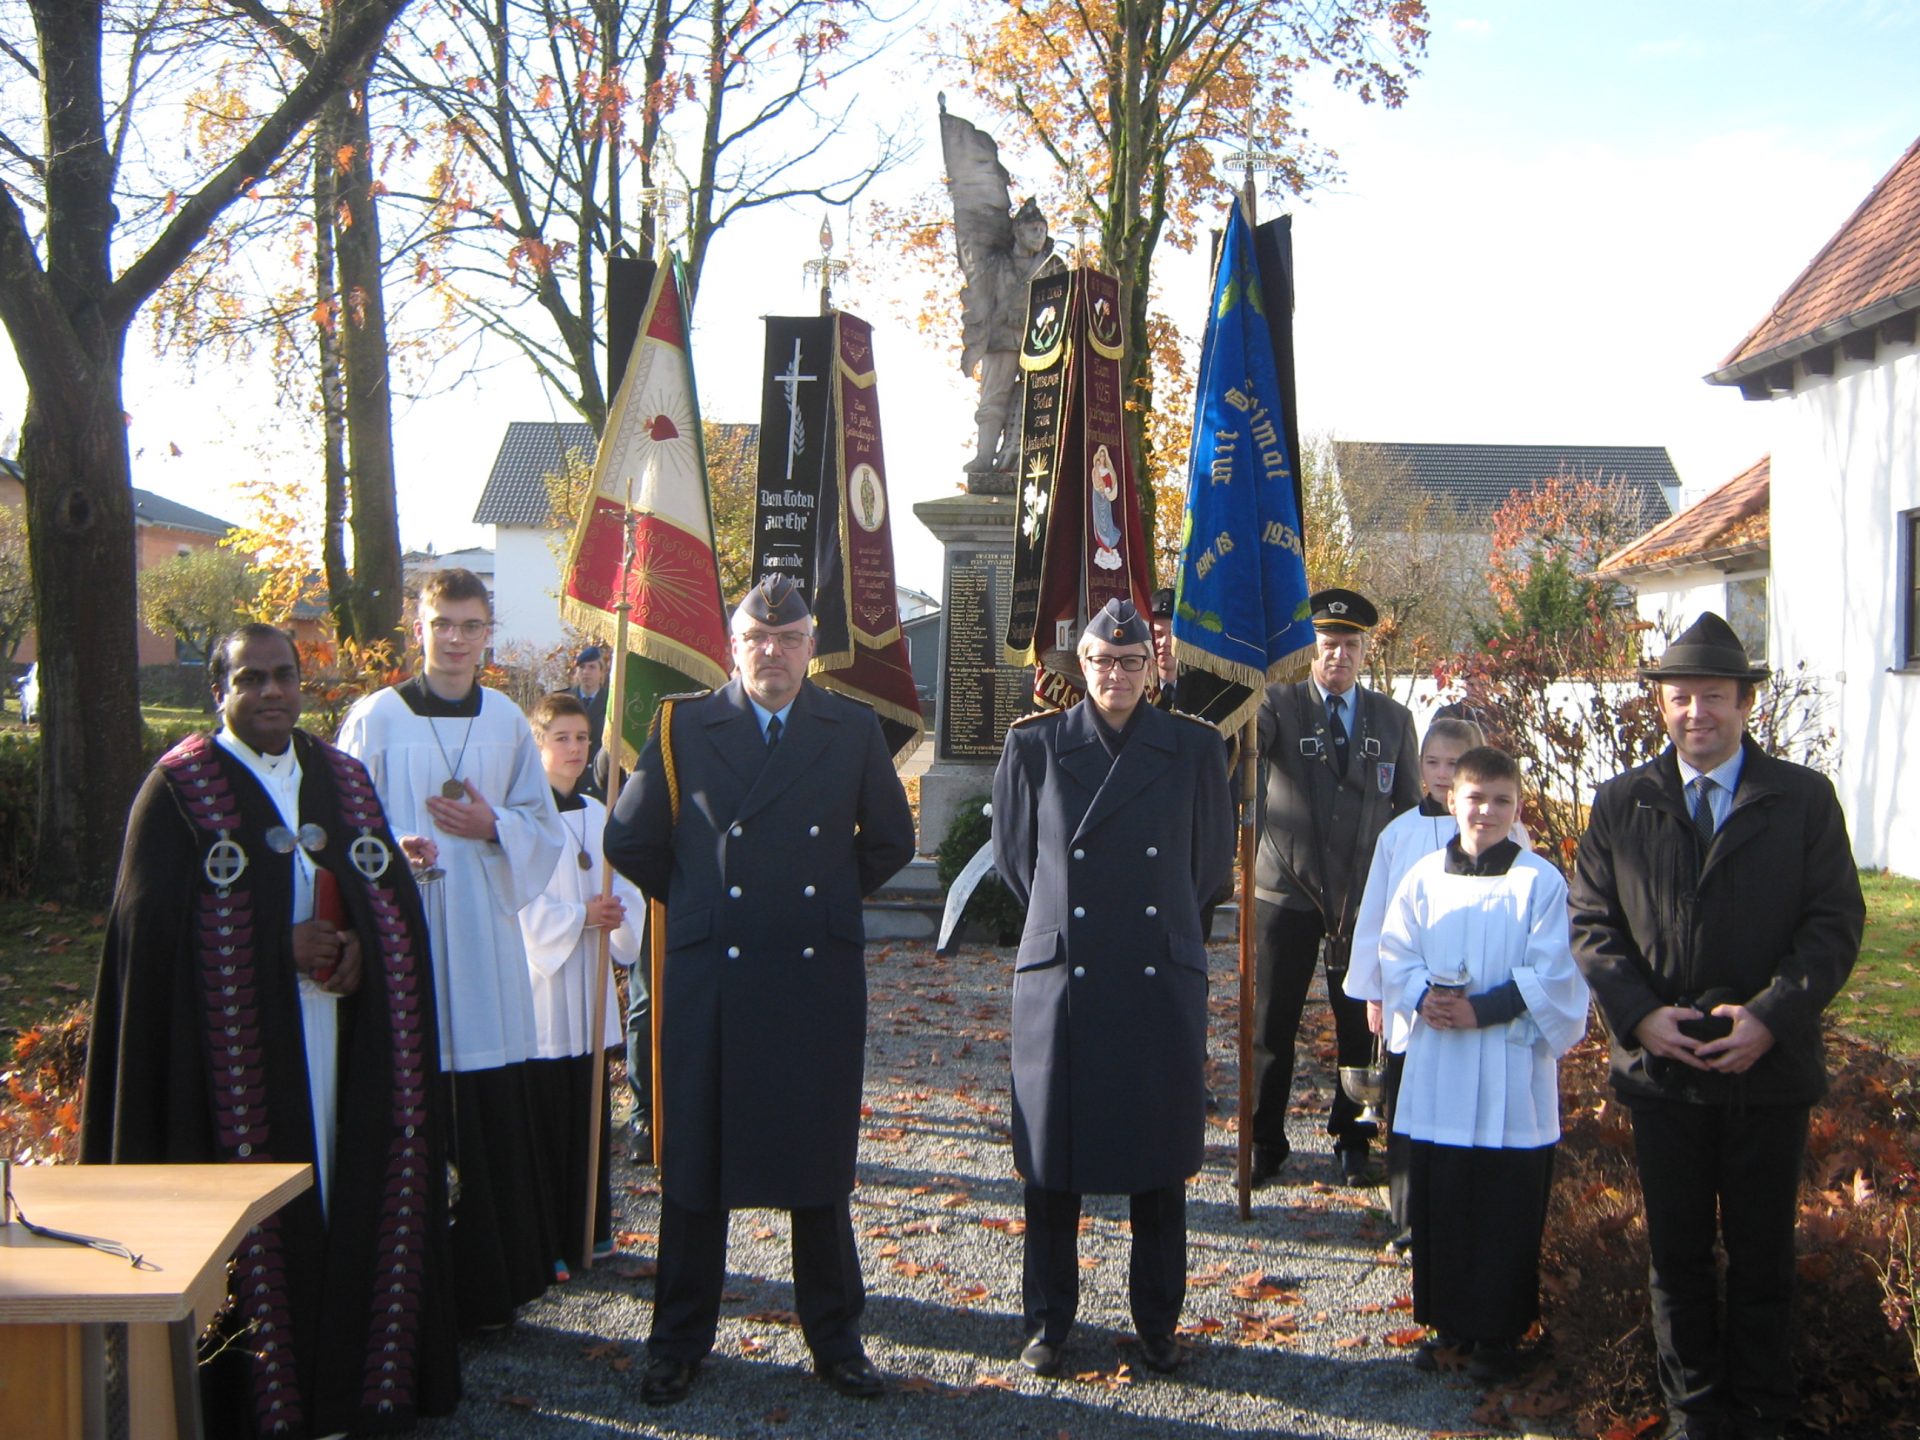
(776, 600)
(1342, 610)
(1118, 623)
(1706, 648)
(589, 655)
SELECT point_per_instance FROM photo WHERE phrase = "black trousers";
(1734, 1170)
(1399, 1147)
(1156, 1266)
(1287, 945)
(828, 1292)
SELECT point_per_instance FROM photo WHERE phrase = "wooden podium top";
(185, 1219)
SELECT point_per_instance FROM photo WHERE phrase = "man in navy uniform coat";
(1112, 823)
(1338, 761)
(1716, 912)
(762, 814)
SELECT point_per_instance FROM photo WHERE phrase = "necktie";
(1703, 808)
(1335, 705)
(773, 731)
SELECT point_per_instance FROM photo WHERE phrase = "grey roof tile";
(1477, 479)
(531, 450)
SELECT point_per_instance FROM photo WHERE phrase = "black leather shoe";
(853, 1377)
(1042, 1357)
(667, 1380)
(1160, 1353)
(640, 1144)
(1354, 1169)
(1267, 1165)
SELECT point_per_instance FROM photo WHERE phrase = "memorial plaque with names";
(981, 695)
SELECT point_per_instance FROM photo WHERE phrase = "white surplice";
(481, 984)
(563, 954)
(1495, 1086)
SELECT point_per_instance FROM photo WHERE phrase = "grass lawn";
(1881, 999)
(48, 954)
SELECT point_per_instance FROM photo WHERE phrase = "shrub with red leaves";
(1855, 1323)
(40, 1091)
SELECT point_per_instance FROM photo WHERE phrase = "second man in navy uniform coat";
(1112, 823)
(781, 811)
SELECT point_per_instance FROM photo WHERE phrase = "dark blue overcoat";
(1114, 858)
(763, 1017)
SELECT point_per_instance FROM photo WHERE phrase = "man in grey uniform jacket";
(762, 813)
(1112, 823)
(1338, 761)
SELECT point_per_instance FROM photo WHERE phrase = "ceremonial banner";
(796, 398)
(1079, 540)
(1240, 618)
(650, 488)
(840, 486)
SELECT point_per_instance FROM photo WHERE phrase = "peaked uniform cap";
(1118, 623)
(588, 655)
(1708, 648)
(1163, 603)
(776, 600)
(1342, 610)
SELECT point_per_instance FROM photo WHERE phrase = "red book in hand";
(327, 906)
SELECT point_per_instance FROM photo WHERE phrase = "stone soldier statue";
(1338, 761)
(1001, 252)
(762, 813)
(1113, 824)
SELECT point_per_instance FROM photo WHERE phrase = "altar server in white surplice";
(1476, 963)
(562, 926)
(458, 772)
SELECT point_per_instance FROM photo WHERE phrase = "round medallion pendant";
(453, 790)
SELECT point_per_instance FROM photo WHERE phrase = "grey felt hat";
(1708, 648)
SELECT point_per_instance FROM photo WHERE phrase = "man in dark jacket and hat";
(1112, 824)
(762, 814)
(1716, 912)
(1337, 762)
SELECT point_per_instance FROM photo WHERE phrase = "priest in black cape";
(265, 996)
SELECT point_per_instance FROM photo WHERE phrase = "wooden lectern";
(57, 1300)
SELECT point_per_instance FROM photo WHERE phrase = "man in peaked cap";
(1338, 761)
(1716, 911)
(783, 813)
(1112, 824)
(590, 684)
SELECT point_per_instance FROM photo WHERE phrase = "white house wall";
(526, 581)
(1846, 464)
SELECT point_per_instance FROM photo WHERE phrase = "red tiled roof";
(1868, 272)
(1731, 521)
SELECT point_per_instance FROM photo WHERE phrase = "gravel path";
(1291, 1320)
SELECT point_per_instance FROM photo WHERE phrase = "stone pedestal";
(979, 693)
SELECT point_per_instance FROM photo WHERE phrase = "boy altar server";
(1477, 965)
(562, 928)
(457, 770)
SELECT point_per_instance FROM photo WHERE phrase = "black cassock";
(338, 1323)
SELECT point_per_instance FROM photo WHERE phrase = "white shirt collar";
(1726, 775)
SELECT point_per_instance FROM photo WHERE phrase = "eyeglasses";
(465, 629)
(788, 640)
(1132, 664)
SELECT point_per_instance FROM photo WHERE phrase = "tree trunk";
(80, 511)
(333, 384)
(378, 593)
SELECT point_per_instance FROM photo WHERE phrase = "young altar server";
(456, 768)
(1409, 835)
(1477, 969)
(562, 926)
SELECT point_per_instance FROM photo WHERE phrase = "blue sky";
(1579, 211)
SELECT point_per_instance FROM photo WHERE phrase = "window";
(1910, 589)
(1747, 614)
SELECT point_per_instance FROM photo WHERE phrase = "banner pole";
(1249, 772)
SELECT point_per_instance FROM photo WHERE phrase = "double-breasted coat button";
(808, 892)
(813, 830)
(1152, 851)
(1150, 970)
(736, 832)
(1079, 912)
(1152, 910)
(734, 892)
(807, 954)
(1079, 971)
(733, 952)
(1079, 854)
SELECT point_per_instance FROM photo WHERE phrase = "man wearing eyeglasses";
(1112, 824)
(458, 771)
(1338, 761)
(762, 814)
